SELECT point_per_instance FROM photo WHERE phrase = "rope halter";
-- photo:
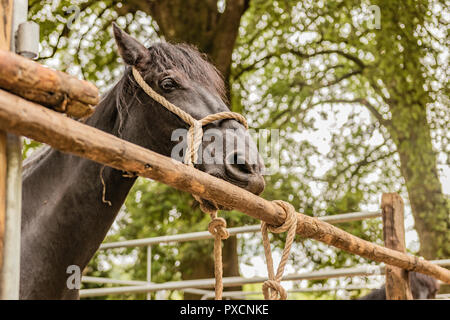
(195, 133)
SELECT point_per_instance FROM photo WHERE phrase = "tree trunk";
(400, 68)
(418, 166)
(199, 23)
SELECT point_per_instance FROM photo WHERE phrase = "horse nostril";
(238, 168)
(241, 163)
(244, 168)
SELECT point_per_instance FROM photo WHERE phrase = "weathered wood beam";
(397, 279)
(26, 118)
(50, 88)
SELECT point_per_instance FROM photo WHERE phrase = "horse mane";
(35, 157)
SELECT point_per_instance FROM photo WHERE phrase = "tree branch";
(363, 162)
(65, 32)
(361, 101)
(277, 54)
(250, 67)
(353, 58)
(99, 17)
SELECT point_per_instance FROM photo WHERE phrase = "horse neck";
(69, 204)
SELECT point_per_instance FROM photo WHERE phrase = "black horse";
(422, 287)
(69, 203)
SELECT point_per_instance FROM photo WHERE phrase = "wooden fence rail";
(26, 118)
(51, 88)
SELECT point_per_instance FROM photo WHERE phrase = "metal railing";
(202, 235)
(228, 281)
(131, 286)
(191, 287)
(243, 294)
(197, 286)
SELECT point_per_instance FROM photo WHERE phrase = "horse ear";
(131, 50)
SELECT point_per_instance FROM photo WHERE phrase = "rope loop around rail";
(272, 288)
(291, 217)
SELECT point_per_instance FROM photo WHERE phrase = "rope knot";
(273, 290)
(218, 228)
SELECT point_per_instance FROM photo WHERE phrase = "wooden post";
(397, 279)
(6, 14)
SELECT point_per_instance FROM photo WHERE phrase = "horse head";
(182, 76)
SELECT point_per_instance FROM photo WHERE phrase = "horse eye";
(168, 84)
